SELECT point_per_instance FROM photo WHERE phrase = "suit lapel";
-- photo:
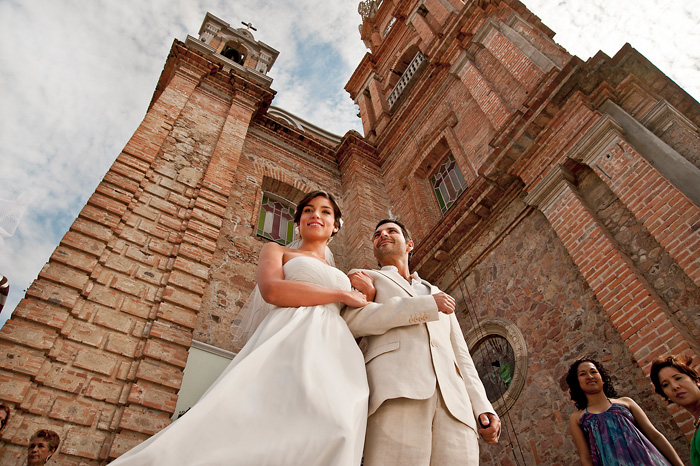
(398, 279)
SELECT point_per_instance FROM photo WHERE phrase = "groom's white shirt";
(410, 348)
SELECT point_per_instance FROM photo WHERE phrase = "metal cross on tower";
(249, 25)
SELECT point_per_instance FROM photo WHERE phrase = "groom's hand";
(445, 303)
(363, 283)
(489, 427)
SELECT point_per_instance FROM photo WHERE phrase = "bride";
(296, 394)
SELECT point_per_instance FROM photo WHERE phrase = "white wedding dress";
(296, 394)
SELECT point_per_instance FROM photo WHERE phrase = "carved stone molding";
(597, 140)
(548, 190)
(663, 115)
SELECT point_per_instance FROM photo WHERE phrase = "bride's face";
(317, 219)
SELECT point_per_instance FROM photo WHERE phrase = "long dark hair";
(575, 391)
(313, 195)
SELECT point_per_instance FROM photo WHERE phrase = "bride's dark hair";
(313, 195)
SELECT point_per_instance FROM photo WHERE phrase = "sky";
(76, 77)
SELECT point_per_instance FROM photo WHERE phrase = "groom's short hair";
(404, 230)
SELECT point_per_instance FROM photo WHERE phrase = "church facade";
(557, 200)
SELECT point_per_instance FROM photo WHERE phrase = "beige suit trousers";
(405, 432)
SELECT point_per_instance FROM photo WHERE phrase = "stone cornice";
(294, 142)
(663, 114)
(359, 76)
(597, 140)
(353, 143)
(550, 187)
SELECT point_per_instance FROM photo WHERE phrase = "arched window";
(234, 53)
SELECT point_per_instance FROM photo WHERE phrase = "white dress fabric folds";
(296, 394)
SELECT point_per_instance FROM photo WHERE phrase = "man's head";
(391, 241)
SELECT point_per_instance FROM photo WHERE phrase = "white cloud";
(76, 78)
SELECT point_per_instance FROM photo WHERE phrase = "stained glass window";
(448, 183)
(276, 220)
(494, 359)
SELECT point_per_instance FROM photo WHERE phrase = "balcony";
(416, 65)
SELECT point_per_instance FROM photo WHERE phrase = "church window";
(233, 54)
(276, 221)
(388, 26)
(448, 183)
(500, 356)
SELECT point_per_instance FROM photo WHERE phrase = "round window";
(499, 353)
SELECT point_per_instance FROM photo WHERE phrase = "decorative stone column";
(640, 316)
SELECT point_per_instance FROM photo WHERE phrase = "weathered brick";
(122, 345)
(13, 388)
(83, 443)
(19, 359)
(75, 410)
(74, 259)
(104, 389)
(176, 314)
(144, 420)
(126, 440)
(84, 332)
(187, 281)
(96, 361)
(136, 307)
(214, 220)
(152, 396)
(162, 351)
(64, 275)
(193, 268)
(92, 229)
(172, 333)
(120, 264)
(105, 296)
(112, 319)
(108, 204)
(160, 373)
(28, 333)
(149, 275)
(39, 401)
(53, 293)
(182, 298)
(41, 312)
(63, 377)
(83, 243)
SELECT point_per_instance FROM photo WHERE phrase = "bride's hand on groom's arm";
(355, 299)
(363, 283)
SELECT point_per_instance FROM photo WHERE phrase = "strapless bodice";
(309, 270)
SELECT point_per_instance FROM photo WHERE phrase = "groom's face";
(388, 242)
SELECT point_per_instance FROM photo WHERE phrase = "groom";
(425, 393)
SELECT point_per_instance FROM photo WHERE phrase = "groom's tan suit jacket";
(410, 348)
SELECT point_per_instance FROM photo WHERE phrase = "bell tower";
(234, 48)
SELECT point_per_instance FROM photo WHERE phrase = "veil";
(255, 309)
